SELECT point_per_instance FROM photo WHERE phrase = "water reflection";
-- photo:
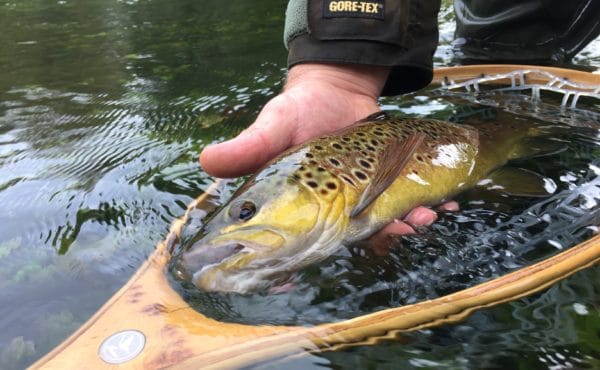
(104, 107)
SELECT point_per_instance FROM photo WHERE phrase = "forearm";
(401, 36)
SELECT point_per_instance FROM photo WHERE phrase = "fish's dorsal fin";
(519, 182)
(393, 160)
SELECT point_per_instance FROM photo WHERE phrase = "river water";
(104, 107)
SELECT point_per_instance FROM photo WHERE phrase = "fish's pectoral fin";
(534, 147)
(392, 161)
(519, 182)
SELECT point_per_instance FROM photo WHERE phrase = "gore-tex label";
(353, 9)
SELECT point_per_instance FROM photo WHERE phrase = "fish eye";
(246, 211)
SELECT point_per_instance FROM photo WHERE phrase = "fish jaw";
(216, 278)
(229, 252)
(236, 275)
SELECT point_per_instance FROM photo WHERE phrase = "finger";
(236, 157)
(380, 243)
(451, 206)
(418, 217)
(269, 135)
(396, 227)
(421, 216)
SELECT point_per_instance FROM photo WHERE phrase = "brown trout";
(304, 204)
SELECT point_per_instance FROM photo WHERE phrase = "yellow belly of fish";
(422, 188)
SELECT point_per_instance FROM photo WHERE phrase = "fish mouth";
(231, 266)
(271, 276)
(201, 257)
(237, 261)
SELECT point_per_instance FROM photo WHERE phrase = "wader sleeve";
(524, 31)
(401, 34)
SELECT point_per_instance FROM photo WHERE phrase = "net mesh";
(535, 81)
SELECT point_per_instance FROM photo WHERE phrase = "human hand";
(317, 99)
(418, 217)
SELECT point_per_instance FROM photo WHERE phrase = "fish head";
(260, 236)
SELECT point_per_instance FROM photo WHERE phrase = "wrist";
(367, 80)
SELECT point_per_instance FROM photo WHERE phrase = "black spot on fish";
(308, 175)
(336, 146)
(370, 148)
(313, 162)
(364, 164)
(318, 147)
(374, 142)
(331, 185)
(312, 184)
(320, 169)
(360, 175)
(334, 162)
(309, 155)
(324, 192)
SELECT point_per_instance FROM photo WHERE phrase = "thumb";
(268, 136)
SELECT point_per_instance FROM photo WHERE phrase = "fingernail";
(423, 221)
(421, 218)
